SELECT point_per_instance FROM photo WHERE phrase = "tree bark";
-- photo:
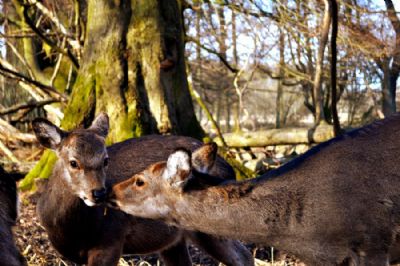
(279, 93)
(234, 39)
(391, 65)
(132, 68)
(147, 80)
(388, 98)
(334, 15)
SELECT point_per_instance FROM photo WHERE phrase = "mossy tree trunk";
(133, 68)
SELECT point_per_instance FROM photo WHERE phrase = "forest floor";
(32, 240)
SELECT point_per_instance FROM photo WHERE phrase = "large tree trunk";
(133, 68)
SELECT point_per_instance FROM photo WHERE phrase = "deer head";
(153, 192)
(82, 156)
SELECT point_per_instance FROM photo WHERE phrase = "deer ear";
(178, 168)
(203, 158)
(100, 125)
(48, 134)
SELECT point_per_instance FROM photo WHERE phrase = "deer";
(9, 253)
(336, 204)
(85, 231)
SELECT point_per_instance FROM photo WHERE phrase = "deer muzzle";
(99, 195)
(112, 200)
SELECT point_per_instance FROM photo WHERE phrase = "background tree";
(133, 68)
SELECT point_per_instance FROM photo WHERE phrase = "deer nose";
(99, 195)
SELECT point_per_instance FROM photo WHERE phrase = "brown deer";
(83, 230)
(9, 254)
(337, 204)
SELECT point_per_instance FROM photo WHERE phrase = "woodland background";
(249, 66)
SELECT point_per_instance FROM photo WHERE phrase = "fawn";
(78, 224)
(337, 204)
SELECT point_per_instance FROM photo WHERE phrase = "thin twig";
(19, 56)
(211, 51)
(8, 153)
(56, 68)
(200, 102)
(30, 105)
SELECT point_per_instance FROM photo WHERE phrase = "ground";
(33, 242)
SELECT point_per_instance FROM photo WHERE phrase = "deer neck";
(251, 211)
(57, 203)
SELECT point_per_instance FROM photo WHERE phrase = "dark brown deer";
(337, 204)
(80, 227)
(9, 254)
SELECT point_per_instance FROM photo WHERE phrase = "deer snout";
(113, 197)
(99, 195)
(112, 201)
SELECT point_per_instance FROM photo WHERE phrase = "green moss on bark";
(42, 169)
(241, 171)
(81, 102)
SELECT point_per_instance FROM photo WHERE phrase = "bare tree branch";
(45, 39)
(29, 105)
(73, 43)
(211, 51)
(16, 75)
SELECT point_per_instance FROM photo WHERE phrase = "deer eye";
(74, 164)
(139, 182)
(106, 161)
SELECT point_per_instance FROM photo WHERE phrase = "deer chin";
(86, 200)
(89, 202)
(113, 203)
(149, 208)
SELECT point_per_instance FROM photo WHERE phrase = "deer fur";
(337, 204)
(83, 230)
(9, 254)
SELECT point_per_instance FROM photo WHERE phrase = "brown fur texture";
(86, 235)
(9, 254)
(338, 204)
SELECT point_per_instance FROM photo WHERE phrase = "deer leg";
(375, 259)
(230, 252)
(105, 256)
(176, 255)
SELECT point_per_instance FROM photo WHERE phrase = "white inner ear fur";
(204, 169)
(179, 160)
(52, 133)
